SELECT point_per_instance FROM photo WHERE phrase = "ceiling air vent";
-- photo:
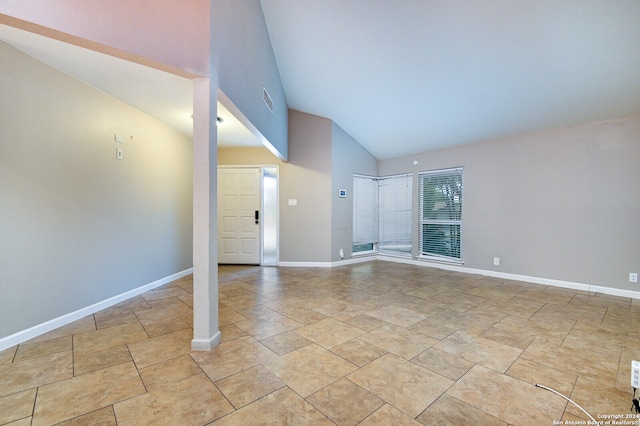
(267, 99)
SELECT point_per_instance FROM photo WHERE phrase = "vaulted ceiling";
(409, 76)
(414, 75)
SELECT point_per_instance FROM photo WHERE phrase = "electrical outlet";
(496, 261)
(635, 374)
(633, 277)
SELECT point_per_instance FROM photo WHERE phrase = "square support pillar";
(205, 202)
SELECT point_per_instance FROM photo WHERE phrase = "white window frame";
(401, 203)
(365, 220)
(423, 254)
(375, 218)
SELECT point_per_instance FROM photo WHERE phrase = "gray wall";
(244, 59)
(78, 226)
(347, 157)
(305, 231)
(323, 159)
(562, 204)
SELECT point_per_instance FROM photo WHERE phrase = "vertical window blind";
(382, 214)
(365, 213)
(441, 213)
(395, 214)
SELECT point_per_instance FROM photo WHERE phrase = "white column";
(205, 201)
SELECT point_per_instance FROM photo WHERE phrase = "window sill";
(364, 253)
(443, 260)
(395, 254)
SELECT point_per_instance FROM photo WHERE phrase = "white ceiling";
(409, 76)
(164, 96)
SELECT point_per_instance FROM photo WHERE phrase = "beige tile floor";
(375, 343)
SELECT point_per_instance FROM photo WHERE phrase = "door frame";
(263, 213)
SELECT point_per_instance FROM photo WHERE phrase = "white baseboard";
(37, 330)
(206, 344)
(525, 278)
(342, 262)
(306, 264)
(458, 268)
(615, 292)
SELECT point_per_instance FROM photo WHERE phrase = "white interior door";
(239, 215)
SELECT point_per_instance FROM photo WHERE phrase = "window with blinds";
(365, 214)
(441, 214)
(382, 214)
(395, 214)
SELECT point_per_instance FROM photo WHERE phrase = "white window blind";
(395, 214)
(365, 213)
(441, 213)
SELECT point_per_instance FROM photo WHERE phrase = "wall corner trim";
(206, 344)
(37, 330)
